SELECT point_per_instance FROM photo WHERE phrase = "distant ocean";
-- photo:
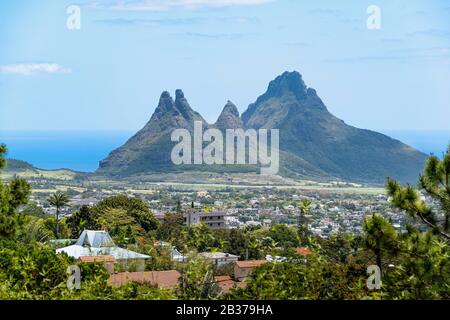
(82, 151)
(429, 142)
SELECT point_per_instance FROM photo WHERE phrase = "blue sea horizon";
(76, 150)
(82, 150)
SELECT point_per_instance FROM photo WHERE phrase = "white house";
(220, 259)
(99, 243)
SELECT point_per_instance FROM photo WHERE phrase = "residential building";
(161, 279)
(214, 219)
(100, 243)
(243, 269)
(220, 259)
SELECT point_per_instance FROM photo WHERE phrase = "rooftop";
(96, 259)
(99, 243)
(162, 279)
(303, 251)
(219, 255)
(250, 263)
(226, 283)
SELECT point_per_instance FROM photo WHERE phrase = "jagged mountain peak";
(166, 103)
(230, 108)
(175, 108)
(179, 94)
(183, 106)
(229, 118)
(287, 83)
(286, 93)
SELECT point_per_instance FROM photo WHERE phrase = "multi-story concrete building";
(214, 219)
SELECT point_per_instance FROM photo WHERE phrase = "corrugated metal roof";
(99, 243)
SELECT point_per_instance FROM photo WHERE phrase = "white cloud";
(163, 5)
(28, 69)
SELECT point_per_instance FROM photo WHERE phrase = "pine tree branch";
(434, 227)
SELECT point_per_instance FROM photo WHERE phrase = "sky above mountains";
(109, 74)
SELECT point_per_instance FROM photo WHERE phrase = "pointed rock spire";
(229, 118)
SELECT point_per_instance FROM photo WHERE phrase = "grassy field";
(195, 183)
(200, 186)
(43, 174)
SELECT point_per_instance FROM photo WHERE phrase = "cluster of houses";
(99, 247)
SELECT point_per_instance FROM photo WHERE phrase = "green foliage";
(32, 209)
(30, 271)
(199, 237)
(284, 236)
(423, 269)
(305, 209)
(3, 151)
(161, 259)
(314, 278)
(171, 228)
(435, 182)
(197, 280)
(83, 219)
(380, 238)
(12, 196)
(36, 229)
(136, 211)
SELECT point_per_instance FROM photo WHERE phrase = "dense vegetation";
(413, 265)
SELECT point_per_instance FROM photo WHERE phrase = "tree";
(199, 237)
(434, 182)
(380, 237)
(135, 208)
(82, 219)
(423, 268)
(302, 224)
(12, 196)
(59, 200)
(171, 227)
(285, 236)
(197, 280)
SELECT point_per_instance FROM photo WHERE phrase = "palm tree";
(59, 200)
(302, 223)
(254, 248)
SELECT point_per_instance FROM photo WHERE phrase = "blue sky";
(109, 75)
